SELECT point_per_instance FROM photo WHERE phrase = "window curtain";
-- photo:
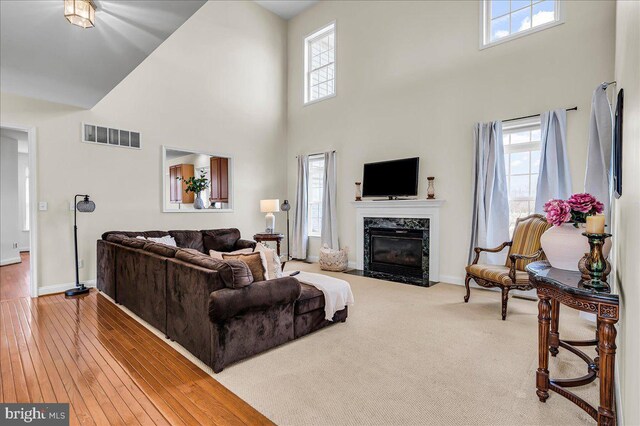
(490, 218)
(329, 230)
(597, 178)
(554, 179)
(300, 236)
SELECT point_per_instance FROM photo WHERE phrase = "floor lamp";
(285, 207)
(83, 206)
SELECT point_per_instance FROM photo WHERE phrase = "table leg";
(542, 374)
(554, 335)
(607, 351)
(278, 247)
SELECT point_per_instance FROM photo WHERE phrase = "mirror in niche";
(195, 181)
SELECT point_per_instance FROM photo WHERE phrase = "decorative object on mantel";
(358, 191)
(197, 185)
(83, 206)
(285, 207)
(596, 263)
(431, 190)
(334, 260)
(270, 207)
(563, 243)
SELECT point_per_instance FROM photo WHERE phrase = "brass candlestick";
(596, 261)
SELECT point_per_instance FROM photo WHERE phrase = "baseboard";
(10, 261)
(24, 249)
(450, 279)
(59, 288)
(316, 259)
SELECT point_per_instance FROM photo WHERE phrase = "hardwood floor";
(14, 279)
(111, 369)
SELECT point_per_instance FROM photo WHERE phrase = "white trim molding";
(429, 209)
(10, 261)
(60, 288)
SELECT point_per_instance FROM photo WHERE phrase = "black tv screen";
(396, 178)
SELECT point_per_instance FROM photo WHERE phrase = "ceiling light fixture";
(80, 12)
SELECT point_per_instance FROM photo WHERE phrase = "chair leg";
(505, 299)
(466, 284)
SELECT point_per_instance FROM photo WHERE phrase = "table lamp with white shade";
(269, 207)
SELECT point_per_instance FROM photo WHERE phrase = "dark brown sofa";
(213, 308)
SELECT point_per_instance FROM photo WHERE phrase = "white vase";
(565, 245)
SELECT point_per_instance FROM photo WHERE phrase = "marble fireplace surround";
(407, 209)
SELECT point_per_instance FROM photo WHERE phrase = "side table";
(556, 287)
(270, 237)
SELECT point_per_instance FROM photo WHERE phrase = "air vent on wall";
(101, 135)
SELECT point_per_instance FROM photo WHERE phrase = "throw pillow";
(274, 266)
(167, 240)
(218, 254)
(253, 261)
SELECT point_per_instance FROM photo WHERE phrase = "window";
(522, 162)
(320, 64)
(505, 20)
(315, 193)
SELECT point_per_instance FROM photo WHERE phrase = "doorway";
(17, 213)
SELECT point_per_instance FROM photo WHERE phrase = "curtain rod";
(575, 108)
(317, 153)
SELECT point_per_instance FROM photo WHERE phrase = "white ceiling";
(44, 56)
(287, 9)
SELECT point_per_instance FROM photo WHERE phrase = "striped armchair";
(523, 249)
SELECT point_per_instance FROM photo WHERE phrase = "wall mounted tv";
(392, 179)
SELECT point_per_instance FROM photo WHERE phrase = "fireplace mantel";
(406, 209)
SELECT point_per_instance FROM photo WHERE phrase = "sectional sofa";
(211, 307)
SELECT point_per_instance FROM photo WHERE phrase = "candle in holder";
(595, 224)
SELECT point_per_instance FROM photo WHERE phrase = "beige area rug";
(409, 355)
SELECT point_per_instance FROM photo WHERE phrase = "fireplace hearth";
(397, 249)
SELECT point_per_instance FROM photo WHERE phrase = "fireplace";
(397, 249)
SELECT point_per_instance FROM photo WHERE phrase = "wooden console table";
(270, 237)
(555, 287)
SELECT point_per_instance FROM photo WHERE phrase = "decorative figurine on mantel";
(431, 190)
(358, 191)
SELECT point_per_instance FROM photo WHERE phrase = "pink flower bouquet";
(574, 210)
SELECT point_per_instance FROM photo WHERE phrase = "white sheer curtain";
(300, 236)
(554, 180)
(329, 230)
(490, 218)
(597, 178)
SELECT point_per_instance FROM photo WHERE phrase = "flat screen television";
(395, 178)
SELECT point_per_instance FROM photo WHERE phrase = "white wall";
(411, 81)
(626, 234)
(9, 207)
(23, 165)
(218, 84)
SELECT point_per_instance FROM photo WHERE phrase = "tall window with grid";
(522, 162)
(320, 64)
(315, 194)
(507, 19)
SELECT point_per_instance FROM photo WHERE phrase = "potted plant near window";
(197, 185)
(563, 243)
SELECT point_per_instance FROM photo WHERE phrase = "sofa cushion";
(226, 303)
(115, 238)
(189, 239)
(255, 262)
(160, 249)
(133, 234)
(234, 273)
(310, 299)
(133, 242)
(220, 239)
